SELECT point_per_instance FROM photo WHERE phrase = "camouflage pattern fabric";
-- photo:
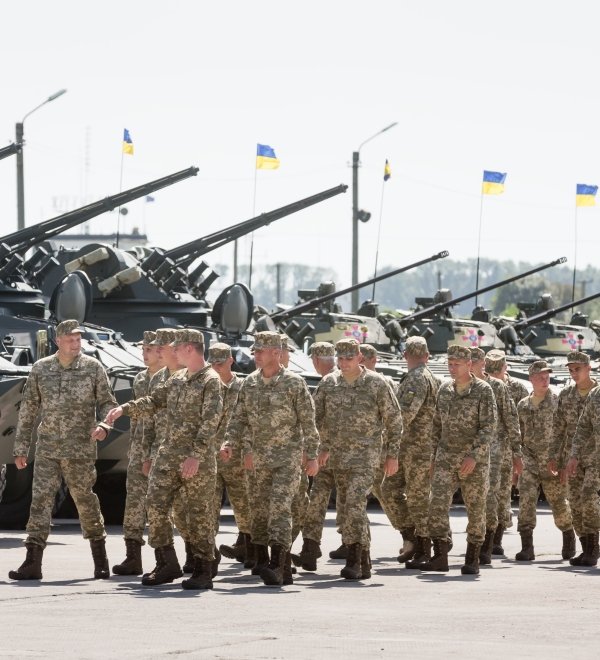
(354, 485)
(390, 491)
(537, 429)
(320, 494)
(300, 506)
(464, 425)
(516, 388)
(66, 399)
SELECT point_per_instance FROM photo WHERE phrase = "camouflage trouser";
(300, 506)
(234, 479)
(556, 495)
(583, 498)
(415, 467)
(197, 499)
(271, 500)
(134, 517)
(80, 476)
(474, 492)
(320, 493)
(498, 505)
(391, 495)
(353, 486)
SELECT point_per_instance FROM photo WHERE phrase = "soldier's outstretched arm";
(28, 413)
(238, 427)
(305, 411)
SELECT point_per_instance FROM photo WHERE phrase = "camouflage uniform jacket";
(352, 418)
(230, 394)
(585, 447)
(464, 423)
(516, 388)
(568, 411)
(193, 404)
(416, 395)
(537, 429)
(141, 383)
(509, 432)
(273, 421)
(66, 399)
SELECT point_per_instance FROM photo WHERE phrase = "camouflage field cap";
(477, 354)
(70, 327)
(188, 336)
(164, 336)
(149, 337)
(495, 360)
(459, 352)
(416, 347)
(347, 348)
(577, 357)
(322, 349)
(219, 352)
(266, 339)
(285, 344)
(539, 367)
(368, 350)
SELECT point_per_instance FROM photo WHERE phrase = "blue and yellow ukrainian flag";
(585, 195)
(127, 143)
(387, 172)
(266, 158)
(493, 182)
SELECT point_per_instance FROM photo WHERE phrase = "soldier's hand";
(312, 467)
(390, 466)
(113, 415)
(571, 469)
(552, 467)
(21, 462)
(323, 458)
(99, 433)
(189, 467)
(467, 466)
(517, 465)
(146, 467)
(225, 453)
(249, 461)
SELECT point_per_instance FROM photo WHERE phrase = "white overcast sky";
(510, 86)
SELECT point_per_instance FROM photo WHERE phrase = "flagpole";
(120, 189)
(378, 237)
(252, 234)
(574, 255)
(479, 245)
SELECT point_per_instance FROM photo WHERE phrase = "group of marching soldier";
(197, 428)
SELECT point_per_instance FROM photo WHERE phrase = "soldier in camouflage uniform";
(496, 367)
(536, 417)
(507, 441)
(581, 446)
(353, 409)
(323, 358)
(464, 428)
(273, 422)
(63, 391)
(134, 517)
(231, 474)
(185, 461)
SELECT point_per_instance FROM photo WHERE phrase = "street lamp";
(19, 141)
(359, 214)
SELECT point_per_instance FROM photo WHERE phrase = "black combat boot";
(422, 553)
(132, 564)
(250, 561)
(410, 545)
(101, 570)
(527, 550)
(439, 561)
(308, 556)
(167, 567)
(471, 566)
(352, 569)
(215, 564)
(568, 547)
(365, 564)
(288, 577)
(236, 551)
(576, 561)
(339, 553)
(262, 559)
(485, 553)
(272, 575)
(592, 553)
(31, 568)
(190, 562)
(202, 575)
(497, 548)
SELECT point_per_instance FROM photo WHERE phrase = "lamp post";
(359, 214)
(19, 141)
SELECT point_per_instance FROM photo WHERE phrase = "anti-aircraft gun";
(10, 150)
(318, 318)
(135, 292)
(435, 322)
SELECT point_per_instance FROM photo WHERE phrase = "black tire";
(16, 499)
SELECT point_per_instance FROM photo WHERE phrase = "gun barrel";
(542, 316)
(10, 150)
(312, 304)
(434, 309)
